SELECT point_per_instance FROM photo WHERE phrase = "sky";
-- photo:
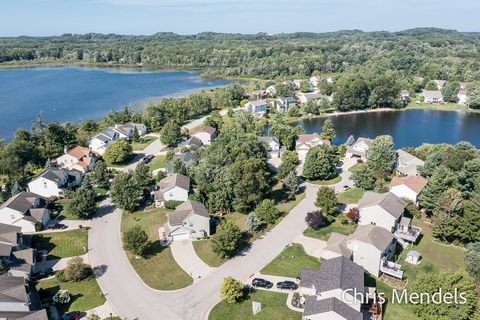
(56, 17)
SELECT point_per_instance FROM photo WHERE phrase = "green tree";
(101, 175)
(431, 85)
(363, 176)
(289, 164)
(446, 215)
(328, 131)
(450, 91)
(290, 185)
(327, 201)
(267, 212)
(143, 176)
(381, 154)
(350, 141)
(125, 191)
(136, 135)
(319, 163)
(293, 111)
(385, 92)
(227, 240)
(136, 241)
(442, 179)
(312, 108)
(473, 90)
(305, 86)
(469, 224)
(83, 204)
(472, 260)
(76, 270)
(170, 134)
(231, 290)
(252, 224)
(351, 92)
(118, 152)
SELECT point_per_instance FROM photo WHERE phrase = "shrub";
(136, 241)
(231, 290)
(353, 214)
(60, 276)
(62, 297)
(315, 219)
(76, 270)
(172, 204)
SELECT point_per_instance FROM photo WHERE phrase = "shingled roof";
(387, 201)
(175, 180)
(185, 210)
(23, 201)
(313, 306)
(378, 237)
(414, 183)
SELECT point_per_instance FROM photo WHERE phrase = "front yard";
(143, 143)
(330, 182)
(273, 307)
(159, 270)
(158, 162)
(86, 294)
(62, 244)
(351, 196)
(204, 251)
(290, 262)
(336, 226)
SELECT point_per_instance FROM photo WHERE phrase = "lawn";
(351, 196)
(143, 143)
(336, 226)
(158, 162)
(274, 306)
(204, 251)
(441, 107)
(159, 270)
(67, 215)
(86, 294)
(290, 262)
(62, 244)
(330, 182)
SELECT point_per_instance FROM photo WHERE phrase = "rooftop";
(415, 183)
(387, 201)
(378, 237)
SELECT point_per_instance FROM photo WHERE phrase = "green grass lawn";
(335, 180)
(290, 262)
(204, 251)
(336, 226)
(273, 307)
(66, 214)
(353, 168)
(158, 162)
(159, 270)
(441, 107)
(351, 196)
(143, 143)
(86, 294)
(121, 164)
(62, 244)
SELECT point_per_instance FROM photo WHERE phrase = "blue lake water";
(409, 128)
(71, 94)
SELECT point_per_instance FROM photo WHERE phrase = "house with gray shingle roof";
(190, 220)
(257, 108)
(25, 210)
(185, 158)
(331, 290)
(100, 142)
(359, 148)
(273, 146)
(54, 182)
(15, 302)
(432, 96)
(407, 163)
(172, 188)
(381, 209)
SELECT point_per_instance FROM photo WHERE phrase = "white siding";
(366, 255)
(176, 193)
(402, 191)
(377, 216)
(205, 137)
(44, 187)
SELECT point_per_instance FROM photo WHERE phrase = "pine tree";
(328, 131)
(290, 185)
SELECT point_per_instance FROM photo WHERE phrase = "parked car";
(148, 158)
(44, 273)
(57, 226)
(74, 315)
(345, 188)
(287, 285)
(261, 283)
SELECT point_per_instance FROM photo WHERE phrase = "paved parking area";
(313, 247)
(274, 280)
(186, 257)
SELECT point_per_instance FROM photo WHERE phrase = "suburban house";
(306, 141)
(174, 187)
(15, 301)
(432, 96)
(314, 81)
(369, 246)
(405, 96)
(440, 83)
(186, 157)
(359, 148)
(381, 209)
(190, 220)
(54, 182)
(283, 104)
(191, 142)
(462, 97)
(257, 108)
(78, 158)
(25, 210)
(273, 146)
(271, 91)
(204, 133)
(309, 97)
(331, 290)
(297, 83)
(100, 142)
(408, 187)
(407, 163)
(257, 94)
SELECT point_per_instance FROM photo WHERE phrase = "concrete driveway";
(186, 257)
(313, 247)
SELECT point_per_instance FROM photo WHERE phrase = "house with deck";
(359, 149)
(258, 108)
(408, 187)
(381, 209)
(190, 220)
(174, 187)
(25, 210)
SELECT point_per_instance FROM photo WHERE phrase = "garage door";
(180, 236)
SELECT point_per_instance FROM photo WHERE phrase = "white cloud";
(172, 2)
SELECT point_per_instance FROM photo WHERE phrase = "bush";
(136, 241)
(353, 214)
(76, 270)
(172, 204)
(60, 276)
(118, 152)
(227, 240)
(62, 297)
(315, 219)
(231, 290)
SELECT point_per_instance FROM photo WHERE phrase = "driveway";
(186, 257)
(313, 247)
(154, 148)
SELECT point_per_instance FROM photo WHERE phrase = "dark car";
(44, 273)
(74, 315)
(286, 285)
(262, 283)
(148, 158)
(58, 226)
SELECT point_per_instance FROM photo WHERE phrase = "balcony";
(391, 268)
(409, 233)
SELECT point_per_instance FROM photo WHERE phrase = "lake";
(71, 94)
(409, 128)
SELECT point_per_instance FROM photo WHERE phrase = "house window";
(44, 184)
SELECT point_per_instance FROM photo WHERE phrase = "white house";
(25, 210)
(186, 158)
(204, 133)
(315, 81)
(191, 142)
(190, 220)
(307, 141)
(174, 187)
(309, 97)
(408, 187)
(78, 158)
(359, 148)
(331, 289)
(257, 108)
(15, 302)
(100, 142)
(54, 182)
(381, 209)
(432, 96)
(127, 130)
(462, 97)
(283, 104)
(407, 163)
(273, 146)
(271, 91)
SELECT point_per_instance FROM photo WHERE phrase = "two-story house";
(359, 149)
(15, 302)
(78, 158)
(205, 134)
(175, 187)
(307, 141)
(407, 163)
(190, 220)
(258, 108)
(381, 209)
(408, 187)
(25, 210)
(273, 146)
(284, 103)
(54, 182)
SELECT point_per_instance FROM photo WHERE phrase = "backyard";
(159, 270)
(351, 196)
(336, 226)
(204, 251)
(290, 262)
(62, 244)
